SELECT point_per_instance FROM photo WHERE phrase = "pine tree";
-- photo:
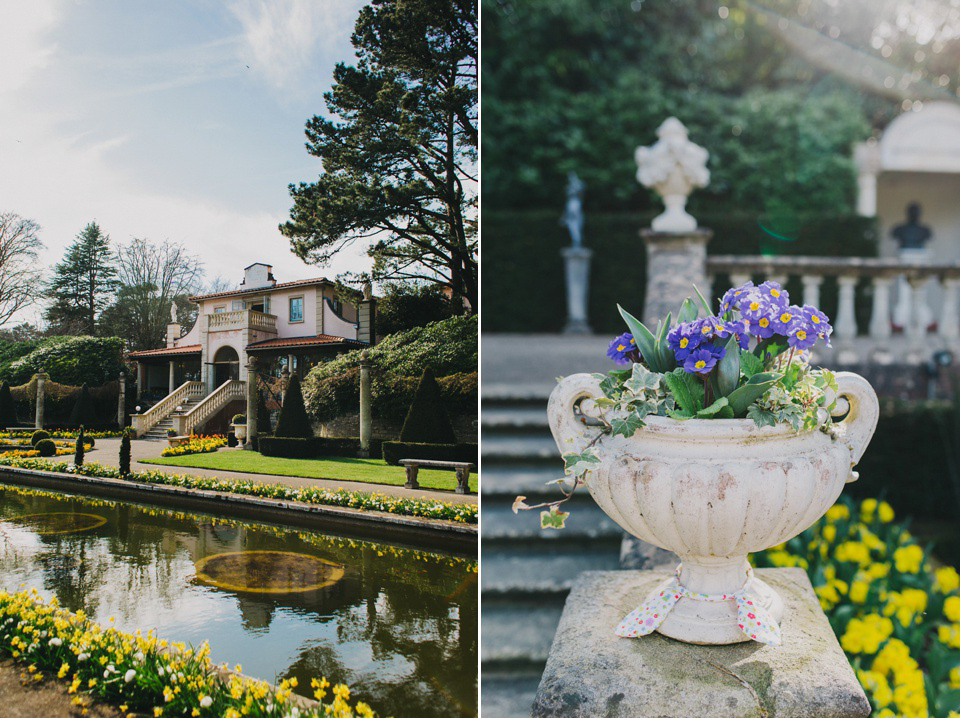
(8, 410)
(293, 421)
(83, 284)
(400, 163)
(427, 421)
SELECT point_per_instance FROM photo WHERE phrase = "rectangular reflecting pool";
(397, 624)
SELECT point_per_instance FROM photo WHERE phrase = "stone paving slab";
(107, 452)
(592, 672)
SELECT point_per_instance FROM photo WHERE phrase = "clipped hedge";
(393, 451)
(314, 447)
(515, 241)
(69, 360)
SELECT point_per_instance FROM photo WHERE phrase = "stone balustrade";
(188, 422)
(926, 302)
(241, 319)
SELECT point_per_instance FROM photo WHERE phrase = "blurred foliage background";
(778, 91)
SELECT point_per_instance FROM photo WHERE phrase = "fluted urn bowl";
(714, 490)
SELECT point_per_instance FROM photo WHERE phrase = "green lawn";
(371, 471)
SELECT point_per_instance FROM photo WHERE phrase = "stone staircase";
(159, 430)
(527, 572)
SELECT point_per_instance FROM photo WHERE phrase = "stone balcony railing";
(927, 297)
(242, 319)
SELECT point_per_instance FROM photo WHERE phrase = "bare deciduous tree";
(19, 270)
(152, 277)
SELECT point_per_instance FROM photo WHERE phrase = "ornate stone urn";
(713, 491)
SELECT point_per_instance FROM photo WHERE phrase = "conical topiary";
(78, 449)
(427, 421)
(82, 413)
(8, 410)
(263, 415)
(125, 453)
(293, 421)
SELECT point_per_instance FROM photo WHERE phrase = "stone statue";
(573, 213)
(173, 313)
(911, 234)
(674, 166)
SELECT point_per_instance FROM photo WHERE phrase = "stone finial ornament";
(674, 166)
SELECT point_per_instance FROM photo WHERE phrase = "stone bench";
(462, 468)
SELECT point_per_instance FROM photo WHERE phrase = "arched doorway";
(226, 365)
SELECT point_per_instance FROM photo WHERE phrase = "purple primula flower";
(760, 324)
(783, 319)
(775, 293)
(741, 329)
(684, 338)
(818, 322)
(801, 336)
(731, 300)
(703, 359)
(623, 349)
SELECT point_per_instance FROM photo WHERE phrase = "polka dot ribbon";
(752, 618)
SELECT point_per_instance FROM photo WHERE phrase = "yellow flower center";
(684, 342)
(620, 347)
(786, 317)
(801, 335)
(815, 319)
(700, 364)
(775, 293)
(754, 306)
(764, 322)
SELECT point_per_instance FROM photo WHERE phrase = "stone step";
(586, 522)
(515, 569)
(508, 694)
(515, 632)
(510, 480)
(513, 447)
(509, 419)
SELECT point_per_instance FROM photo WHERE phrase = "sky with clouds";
(179, 120)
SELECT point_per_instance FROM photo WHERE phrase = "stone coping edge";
(448, 535)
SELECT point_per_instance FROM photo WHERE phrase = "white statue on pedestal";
(674, 166)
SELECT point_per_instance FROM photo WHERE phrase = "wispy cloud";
(25, 44)
(284, 36)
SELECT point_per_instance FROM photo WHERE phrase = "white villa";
(287, 325)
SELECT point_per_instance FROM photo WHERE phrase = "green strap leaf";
(645, 340)
(688, 311)
(712, 411)
(728, 368)
(704, 302)
(756, 387)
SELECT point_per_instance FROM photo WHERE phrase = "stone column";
(577, 265)
(251, 402)
(171, 383)
(122, 400)
(366, 418)
(948, 324)
(675, 263)
(41, 380)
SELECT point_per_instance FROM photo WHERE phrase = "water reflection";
(398, 625)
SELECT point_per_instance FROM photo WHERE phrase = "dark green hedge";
(393, 451)
(913, 461)
(67, 360)
(315, 447)
(519, 242)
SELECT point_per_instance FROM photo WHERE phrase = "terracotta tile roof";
(318, 340)
(173, 351)
(255, 290)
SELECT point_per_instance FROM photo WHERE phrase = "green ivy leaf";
(626, 426)
(553, 519)
(576, 464)
(642, 380)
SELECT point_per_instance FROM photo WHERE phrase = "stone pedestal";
(366, 416)
(577, 265)
(675, 263)
(592, 672)
(252, 403)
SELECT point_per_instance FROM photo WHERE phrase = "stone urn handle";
(857, 399)
(567, 423)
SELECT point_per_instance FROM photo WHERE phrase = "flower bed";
(425, 508)
(196, 445)
(897, 619)
(143, 673)
(61, 434)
